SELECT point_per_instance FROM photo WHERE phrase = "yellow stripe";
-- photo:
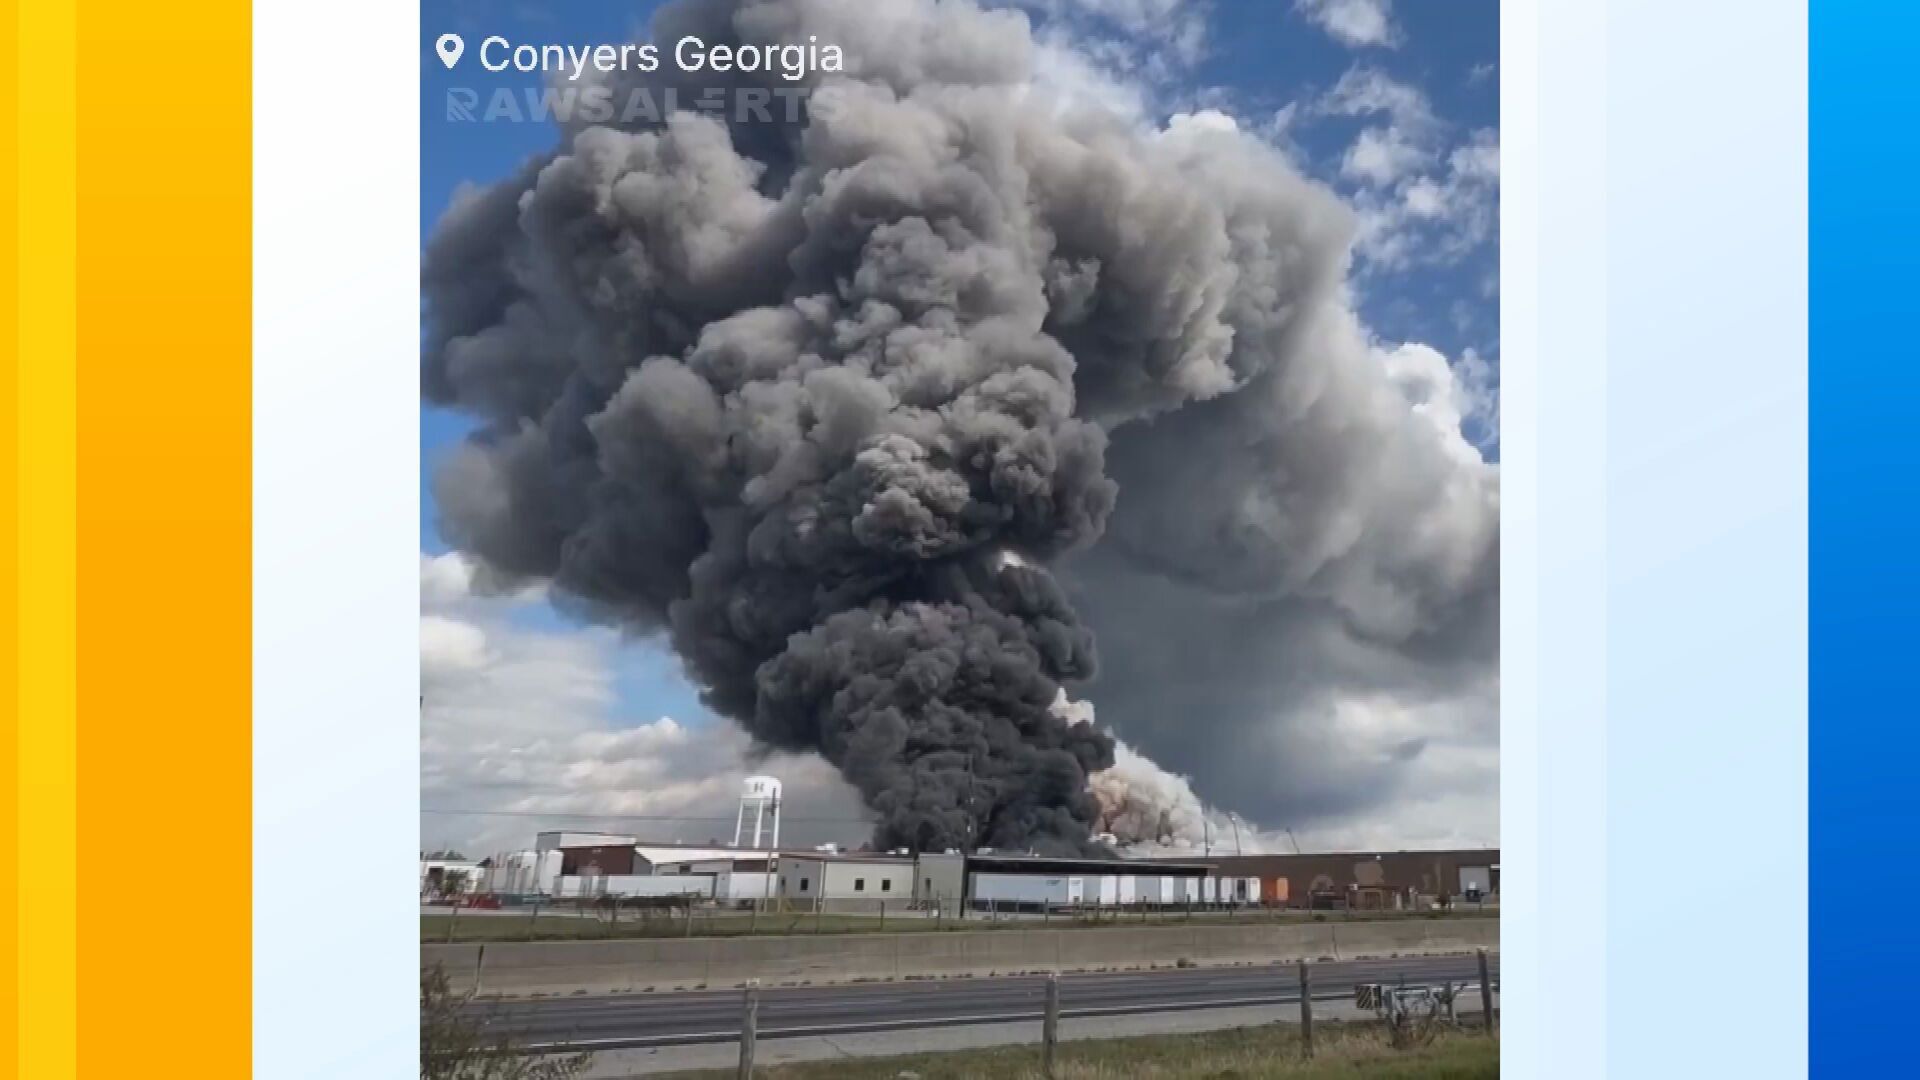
(9, 546)
(165, 534)
(45, 412)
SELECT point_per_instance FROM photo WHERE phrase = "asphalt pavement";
(601, 1022)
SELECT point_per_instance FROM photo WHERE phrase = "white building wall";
(804, 879)
(869, 880)
(798, 878)
(940, 878)
(578, 885)
(743, 885)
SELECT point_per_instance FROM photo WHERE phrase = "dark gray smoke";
(822, 401)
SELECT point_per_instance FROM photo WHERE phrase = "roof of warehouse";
(667, 853)
(1043, 864)
(848, 856)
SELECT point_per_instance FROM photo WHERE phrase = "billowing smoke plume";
(1147, 810)
(823, 402)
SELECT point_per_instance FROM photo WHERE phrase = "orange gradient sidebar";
(45, 53)
(10, 538)
(164, 408)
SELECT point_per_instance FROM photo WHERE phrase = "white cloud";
(519, 722)
(1420, 198)
(449, 647)
(1175, 31)
(1354, 23)
(1364, 91)
(1128, 57)
(1380, 156)
(1434, 217)
(1069, 78)
(1202, 121)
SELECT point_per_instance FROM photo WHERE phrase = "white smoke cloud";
(1148, 810)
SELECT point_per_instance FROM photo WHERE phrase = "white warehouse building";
(987, 880)
(821, 877)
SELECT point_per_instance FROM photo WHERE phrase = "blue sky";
(1424, 102)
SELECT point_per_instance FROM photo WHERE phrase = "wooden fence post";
(749, 1028)
(1486, 994)
(1050, 1027)
(1306, 1011)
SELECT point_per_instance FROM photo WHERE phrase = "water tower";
(759, 797)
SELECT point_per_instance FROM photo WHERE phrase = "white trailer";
(1026, 889)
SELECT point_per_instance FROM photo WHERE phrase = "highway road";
(607, 1022)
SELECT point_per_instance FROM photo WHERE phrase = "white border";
(1520, 827)
(1654, 539)
(336, 523)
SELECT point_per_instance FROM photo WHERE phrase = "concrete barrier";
(461, 963)
(518, 969)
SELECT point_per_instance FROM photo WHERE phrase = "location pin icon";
(450, 47)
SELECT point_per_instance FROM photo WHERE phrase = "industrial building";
(587, 864)
(611, 864)
(1007, 882)
(823, 876)
(1380, 880)
(565, 864)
